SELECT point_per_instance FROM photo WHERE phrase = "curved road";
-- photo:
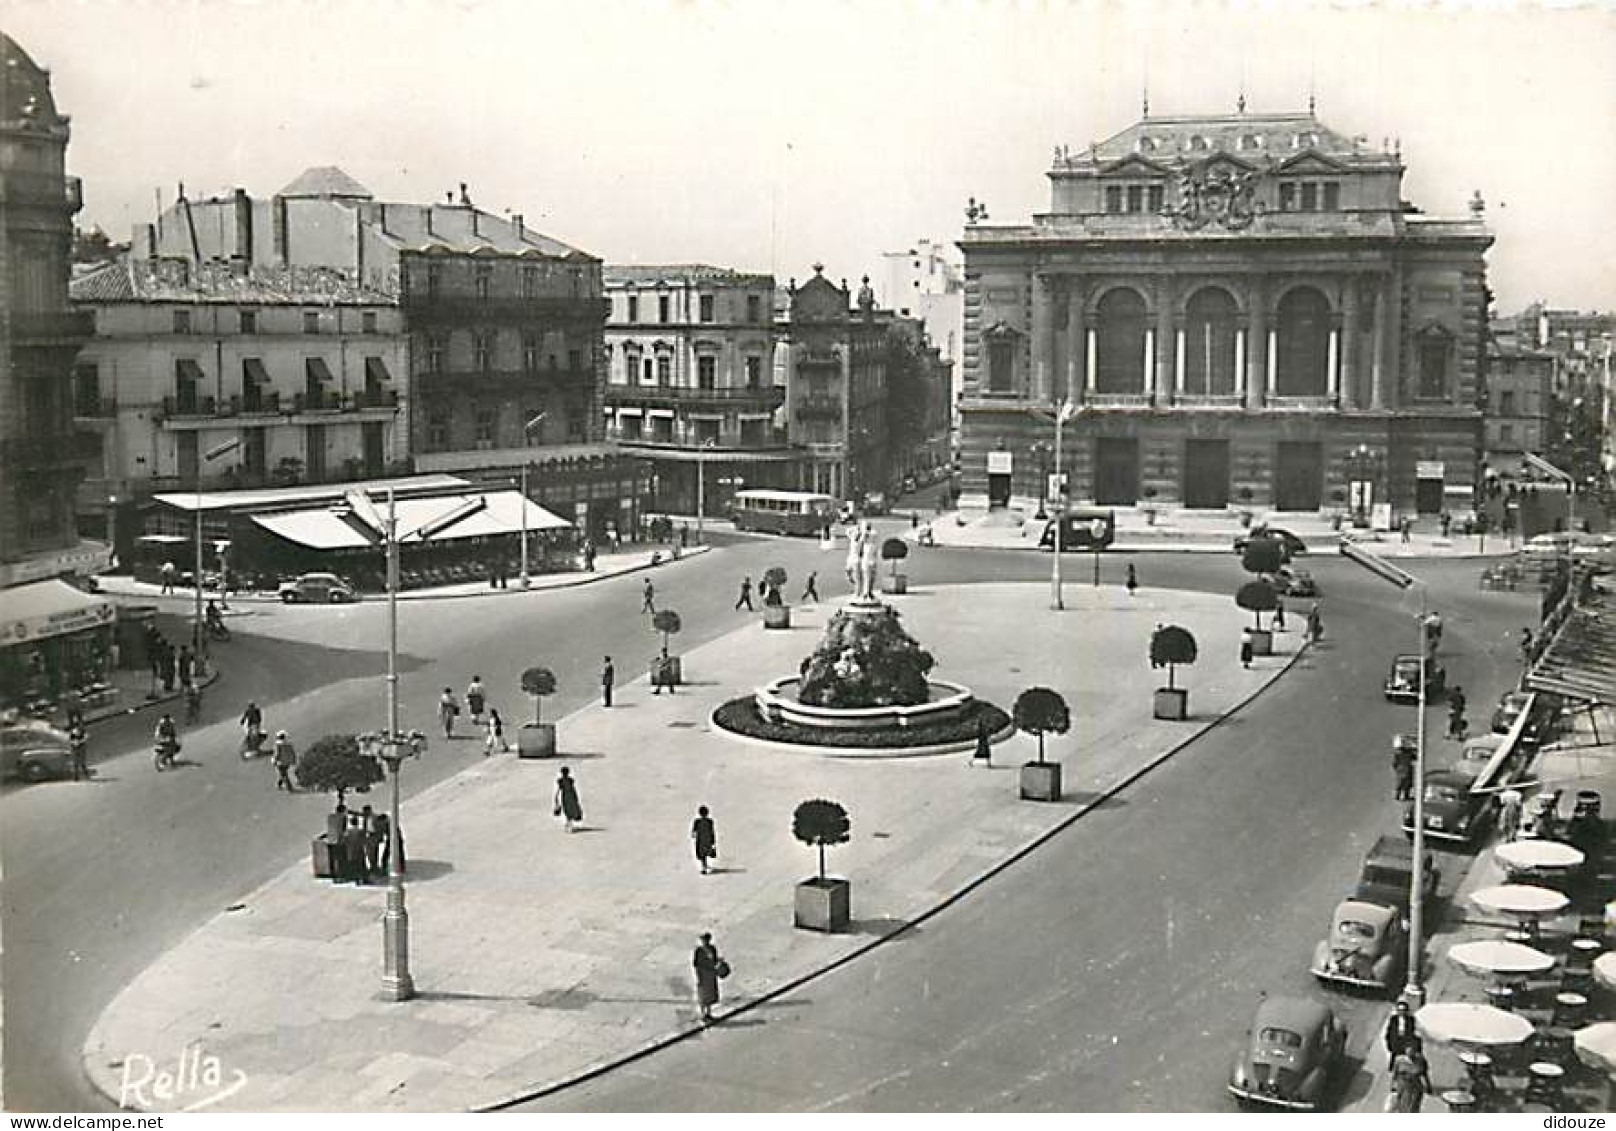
(101, 879)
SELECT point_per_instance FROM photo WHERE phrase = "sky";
(767, 135)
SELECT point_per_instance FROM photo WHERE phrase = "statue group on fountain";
(862, 563)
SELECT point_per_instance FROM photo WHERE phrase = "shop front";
(56, 648)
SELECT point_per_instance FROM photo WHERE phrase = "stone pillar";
(1076, 342)
(1240, 361)
(1271, 377)
(1332, 376)
(1150, 363)
(1377, 368)
(1038, 344)
(1166, 353)
(1089, 349)
(1178, 366)
(1351, 388)
(1394, 340)
(1257, 346)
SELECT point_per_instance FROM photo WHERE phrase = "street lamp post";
(201, 635)
(1041, 450)
(701, 487)
(394, 745)
(527, 430)
(1066, 411)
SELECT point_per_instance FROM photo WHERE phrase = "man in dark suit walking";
(608, 677)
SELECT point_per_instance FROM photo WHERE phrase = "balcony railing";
(324, 401)
(444, 379)
(182, 407)
(1302, 404)
(1118, 400)
(764, 395)
(819, 406)
(1208, 400)
(374, 398)
(258, 404)
(95, 408)
(45, 327)
(424, 306)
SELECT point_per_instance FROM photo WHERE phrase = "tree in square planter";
(335, 764)
(894, 550)
(1040, 711)
(666, 670)
(823, 903)
(1263, 556)
(1170, 646)
(776, 613)
(537, 739)
(1258, 597)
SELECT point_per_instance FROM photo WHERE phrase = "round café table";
(1605, 970)
(1538, 856)
(1467, 1023)
(1527, 904)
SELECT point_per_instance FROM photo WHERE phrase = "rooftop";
(652, 274)
(1193, 137)
(326, 181)
(155, 280)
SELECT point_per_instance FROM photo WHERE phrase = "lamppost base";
(400, 988)
(527, 582)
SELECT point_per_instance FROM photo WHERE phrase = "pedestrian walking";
(1315, 624)
(661, 672)
(1403, 754)
(476, 698)
(1245, 648)
(186, 670)
(1445, 520)
(1406, 527)
(710, 969)
(984, 745)
(705, 834)
(1457, 700)
(372, 844)
(353, 851)
(166, 574)
(1279, 614)
(745, 599)
(193, 704)
(496, 734)
(566, 799)
(648, 598)
(1411, 1079)
(1526, 645)
(1400, 1029)
(384, 838)
(170, 666)
(810, 590)
(608, 677)
(79, 743)
(284, 755)
(1132, 582)
(448, 708)
(589, 556)
(1509, 815)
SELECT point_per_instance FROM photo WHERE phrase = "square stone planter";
(320, 857)
(1171, 703)
(673, 672)
(776, 616)
(536, 740)
(823, 905)
(1262, 641)
(897, 584)
(1041, 781)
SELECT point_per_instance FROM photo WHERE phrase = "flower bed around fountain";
(934, 735)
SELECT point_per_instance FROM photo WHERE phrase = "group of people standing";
(360, 845)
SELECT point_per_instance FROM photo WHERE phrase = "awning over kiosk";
(1580, 661)
(324, 529)
(43, 609)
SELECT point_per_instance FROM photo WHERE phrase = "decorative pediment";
(1001, 331)
(1224, 163)
(1311, 161)
(1134, 165)
(1434, 331)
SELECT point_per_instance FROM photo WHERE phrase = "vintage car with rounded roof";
(1365, 949)
(1292, 1052)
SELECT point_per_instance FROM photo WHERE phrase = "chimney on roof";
(244, 228)
(448, 198)
(476, 228)
(181, 195)
(429, 230)
(464, 198)
(521, 230)
(383, 207)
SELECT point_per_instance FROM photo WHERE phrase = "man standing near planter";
(745, 599)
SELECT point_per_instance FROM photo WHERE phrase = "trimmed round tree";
(866, 659)
(335, 764)
(1257, 597)
(538, 682)
(774, 585)
(894, 550)
(820, 824)
(1264, 553)
(1170, 646)
(665, 621)
(1041, 711)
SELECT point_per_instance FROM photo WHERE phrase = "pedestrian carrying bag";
(721, 968)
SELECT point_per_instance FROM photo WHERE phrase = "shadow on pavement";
(885, 927)
(421, 871)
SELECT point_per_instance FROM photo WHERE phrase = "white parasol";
(1605, 970)
(1523, 901)
(1492, 958)
(1528, 855)
(1596, 1045)
(1466, 1023)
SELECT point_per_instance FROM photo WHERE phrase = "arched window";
(1119, 362)
(1304, 344)
(1209, 330)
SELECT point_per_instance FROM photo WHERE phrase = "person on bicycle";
(252, 724)
(214, 619)
(167, 739)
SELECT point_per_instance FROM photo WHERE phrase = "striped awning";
(1580, 660)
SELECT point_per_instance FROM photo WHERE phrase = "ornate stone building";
(1248, 314)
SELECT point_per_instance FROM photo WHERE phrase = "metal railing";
(176, 407)
(769, 395)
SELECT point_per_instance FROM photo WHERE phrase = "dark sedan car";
(34, 751)
(1295, 1048)
(1453, 812)
(1403, 681)
(1292, 544)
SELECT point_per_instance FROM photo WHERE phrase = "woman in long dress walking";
(710, 967)
(705, 834)
(566, 799)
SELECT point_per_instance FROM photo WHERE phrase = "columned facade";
(1233, 346)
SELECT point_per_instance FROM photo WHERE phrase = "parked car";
(1403, 681)
(1387, 869)
(317, 589)
(1294, 1049)
(1452, 811)
(1509, 708)
(1546, 547)
(1366, 947)
(1293, 545)
(1290, 582)
(34, 751)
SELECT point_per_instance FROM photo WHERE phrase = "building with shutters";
(1248, 314)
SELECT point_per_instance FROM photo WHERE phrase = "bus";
(783, 512)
